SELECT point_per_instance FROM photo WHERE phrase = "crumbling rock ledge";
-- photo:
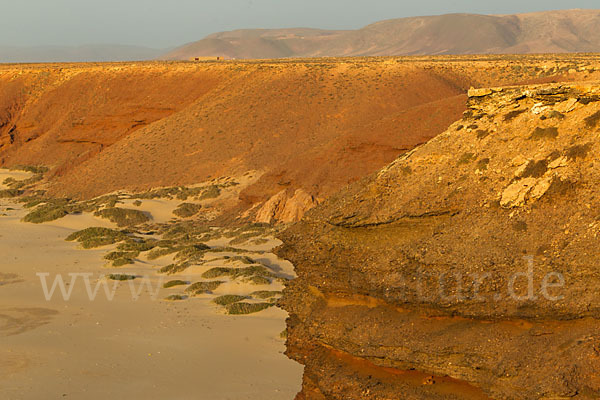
(468, 268)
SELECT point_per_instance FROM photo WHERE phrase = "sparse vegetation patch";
(203, 287)
(186, 210)
(243, 308)
(228, 299)
(96, 237)
(123, 217)
(121, 277)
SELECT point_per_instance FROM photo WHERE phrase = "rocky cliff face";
(467, 268)
(311, 126)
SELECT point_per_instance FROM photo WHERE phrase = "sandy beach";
(133, 346)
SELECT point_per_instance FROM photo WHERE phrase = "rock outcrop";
(284, 208)
(466, 269)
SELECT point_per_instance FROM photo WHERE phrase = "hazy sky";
(168, 23)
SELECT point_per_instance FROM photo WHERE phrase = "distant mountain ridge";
(560, 31)
(13, 54)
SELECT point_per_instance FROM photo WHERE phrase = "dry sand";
(148, 348)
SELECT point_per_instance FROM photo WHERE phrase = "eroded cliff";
(465, 269)
(310, 125)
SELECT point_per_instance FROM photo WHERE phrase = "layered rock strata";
(468, 268)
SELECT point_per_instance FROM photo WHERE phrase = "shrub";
(217, 272)
(210, 192)
(123, 261)
(242, 259)
(123, 216)
(196, 250)
(121, 277)
(137, 246)
(96, 237)
(203, 287)
(265, 294)
(115, 255)
(186, 210)
(259, 280)
(174, 283)
(161, 252)
(9, 193)
(175, 297)
(235, 273)
(34, 169)
(46, 212)
(242, 308)
(244, 237)
(228, 299)
(174, 268)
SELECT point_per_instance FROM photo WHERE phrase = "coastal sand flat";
(102, 349)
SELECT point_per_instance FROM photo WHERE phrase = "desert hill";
(540, 32)
(310, 125)
(466, 268)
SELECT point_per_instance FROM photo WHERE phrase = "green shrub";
(115, 255)
(265, 294)
(161, 252)
(192, 251)
(174, 283)
(32, 201)
(210, 192)
(137, 246)
(175, 297)
(46, 212)
(235, 273)
(186, 210)
(174, 268)
(34, 169)
(10, 193)
(121, 277)
(119, 262)
(242, 259)
(123, 217)
(203, 287)
(259, 280)
(217, 272)
(228, 299)
(242, 308)
(242, 238)
(96, 237)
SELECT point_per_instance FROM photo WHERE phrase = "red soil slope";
(311, 124)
